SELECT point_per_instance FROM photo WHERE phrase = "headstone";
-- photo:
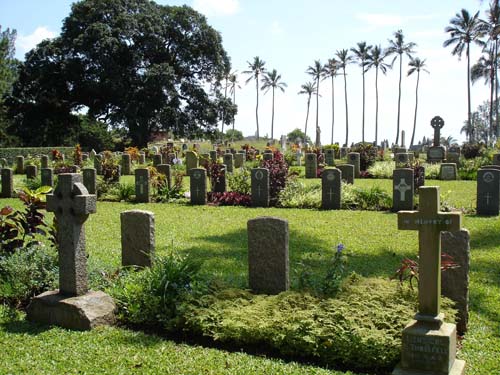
(343, 152)
(267, 155)
(260, 187)
(496, 159)
(155, 150)
(184, 146)
(353, 158)
(403, 138)
(311, 165)
(3, 163)
(402, 189)
(198, 186)
(85, 156)
(171, 158)
(347, 172)
(7, 183)
(239, 160)
(191, 160)
(429, 344)
(164, 169)
(298, 158)
(453, 155)
(330, 157)
(213, 155)
(44, 161)
(47, 177)
(90, 179)
(73, 306)
(331, 189)
(31, 171)
(488, 192)
(399, 150)
(20, 164)
(142, 185)
(98, 164)
(448, 171)
(157, 160)
(268, 264)
(138, 238)
(403, 159)
(219, 182)
(455, 281)
(93, 154)
(228, 161)
(142, 158)
(126, 164)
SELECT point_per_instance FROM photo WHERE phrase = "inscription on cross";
(429, 222)
(71, 204)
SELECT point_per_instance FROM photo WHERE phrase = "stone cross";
(437, 123)
(71, 205)
(429, 222)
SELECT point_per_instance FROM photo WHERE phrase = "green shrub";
(469, 167)
(27, 272)
(239, 181)
(382, 169)
(367, 155)
(121, 192)
(11, 153)
(373, 198)
(296, 194)
(359, 329)
(473, 150)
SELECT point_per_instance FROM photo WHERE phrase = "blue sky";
(290, 34)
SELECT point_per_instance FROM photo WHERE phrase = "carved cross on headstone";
(487, 197)
(437, 123)
(429, 222)
(402, 187)
(71, 204)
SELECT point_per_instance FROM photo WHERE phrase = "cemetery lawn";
(217, 236)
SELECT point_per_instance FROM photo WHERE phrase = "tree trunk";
(272, 120)
(363, 122)
(399, 95)
(333, 107)
(468, 96)
(492, 87)
(346, 112)
(496, 89)
(307, 117)
(317, 142)
(376, 106)
(224, 109)
(257, 106)
(234, 102)
(416, 106)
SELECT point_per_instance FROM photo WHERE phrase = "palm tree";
(316, 71)
(485, 68)
(227, 72)
(309, 88)
(233, 85)
(416, 65)
(463, 30)
(361, 55)
(376, 59)
(256, 69)
(398, 47)
(330, 71)
(344, 59)
(272, 80)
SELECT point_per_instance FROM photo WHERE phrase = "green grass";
(217, 236)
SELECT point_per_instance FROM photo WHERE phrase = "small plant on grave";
(110, 168)
(229, 198)
(408, 270)
(33, 183)
(418, 173)
(176, 190)
(77, 155)
(336, 272)
(278, 174)
(250, 151)
(239, 181)
(120, 192)
(215, 172)
(56, 155)
(367, 155)
(133, 152)
(10, 229)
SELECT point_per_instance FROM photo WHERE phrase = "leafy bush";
(359, 329)
(299, 195)
(468, 169)
(121, 192)
(473, 150)
(11, 153)
(110, 168)
(176, 190)
(229, 198)
(367, 155)
(239, 181)
(27, 272)
(278, 173)
(382, 169)
(152, 296)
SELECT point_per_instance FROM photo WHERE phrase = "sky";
(289, 35)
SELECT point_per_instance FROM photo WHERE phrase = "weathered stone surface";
(47, 177)
(268, 265)
(403, 189)
(260, 187)
(496, 159)
(164, 169)
(330, 157)
(311, 161)
(488, 192)
(7, 183)
(20, 164)
(90, 179)
(436, 154)
(213, 155)
(229, 162)
(198, 186)
(353, 158)
(453, 155)
(239, 160)
(98, 164)
(455, 281)
(331, 189)
(191, 160)
(347, 171)
(448, 171)
(267, 155)
(78, 313)
(142, 189)
(31, 171)
(44, 161)
(142, 158)
(437, 124)
(126, 164)
(402, 159)
(157, 159)
(138, 237)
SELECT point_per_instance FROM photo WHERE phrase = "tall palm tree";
(344, 60)
(376, 60)
(272, 80)
(316, 71)
(233, 85)
(416, 65)
(309, 88)
(485, 68)
(398, 47)
(227, 72)
(361, 55)
(463, 30)
(330, 70)
(256, 68)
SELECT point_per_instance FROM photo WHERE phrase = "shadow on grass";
(24, 327)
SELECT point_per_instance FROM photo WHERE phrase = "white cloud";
(217, 7)
(27, 42)
(277, 29)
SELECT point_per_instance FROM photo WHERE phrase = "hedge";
(11, 153)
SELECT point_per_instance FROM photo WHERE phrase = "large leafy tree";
(485, 68)
(272, 81)
(465, 29)
(398, 48)
(131, 64)
(361, 53)
(344, 59)
(309, 89)
(256, 69)
(8, 74)
(376, 60)
(331, 71)
(316, 71)
(416, 66)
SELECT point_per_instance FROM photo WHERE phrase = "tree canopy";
(128, 63)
